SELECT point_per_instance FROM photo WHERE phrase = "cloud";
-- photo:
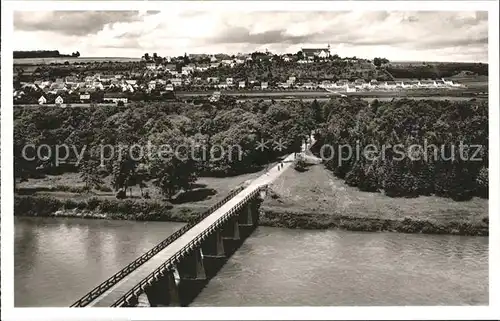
(395, 34)
(78, 23)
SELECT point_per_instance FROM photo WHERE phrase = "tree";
(89, 172)
(146, 57)
(300, 55)
(121, 174)
(175, 169)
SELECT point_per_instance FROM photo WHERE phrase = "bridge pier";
(246, 216)
(214, 253)
(164, 292)
(213, 246)
(191, 266)
(231, 230)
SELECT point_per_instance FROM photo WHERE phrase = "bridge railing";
(136, 290)
(106, 285)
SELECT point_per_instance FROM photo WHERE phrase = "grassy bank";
(313, 199)
(317, 199)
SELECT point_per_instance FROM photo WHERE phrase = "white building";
(59, 100)
(42, 100)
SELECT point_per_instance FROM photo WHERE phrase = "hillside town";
(157, 78)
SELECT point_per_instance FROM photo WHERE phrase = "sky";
(402, 36)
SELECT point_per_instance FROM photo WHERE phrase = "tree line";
(223, 124)
(423, 123)
(228, 123)
(43, 54)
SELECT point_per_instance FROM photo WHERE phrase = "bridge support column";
(246, 217)
(213, 246)
(191, 266)
(164, 292)
(232, 230)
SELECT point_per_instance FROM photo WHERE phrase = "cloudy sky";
(414, 36)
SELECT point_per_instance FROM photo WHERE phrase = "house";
(176, 82)
(214, 80)
(229, 81)
(115, 97)
(152, 85)
(59, 100)
(264, 85)
(107, 78)
(222, 86)
(97, 84)
(170, 67)
(45, 84)
(241, 84)
(228, 62)
(308, 85)
(186, 70)
(42, 100)
(311, 53)
(214, 65)
(448, 82)
(204, 67)
(151, 66)
(169, 87)
(70, 80)
(427, 83)
(131, 82)
(59, 80)
(84, 97)
(411, 84)
(390, 85)
(440, 83)
(350, 88)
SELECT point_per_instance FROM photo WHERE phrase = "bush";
(299, 165)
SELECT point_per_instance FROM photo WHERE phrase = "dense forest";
(228, 124)
(436, 71)
(422, 169)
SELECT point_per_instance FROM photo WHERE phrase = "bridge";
(180, 265)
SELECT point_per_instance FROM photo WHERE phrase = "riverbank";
(33, 206)
(314, 199)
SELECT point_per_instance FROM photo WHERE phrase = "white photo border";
(256, 313)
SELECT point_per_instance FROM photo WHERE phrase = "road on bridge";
(114, 293)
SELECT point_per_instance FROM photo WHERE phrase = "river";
(58, 260)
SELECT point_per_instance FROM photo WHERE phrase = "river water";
(59, 260)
